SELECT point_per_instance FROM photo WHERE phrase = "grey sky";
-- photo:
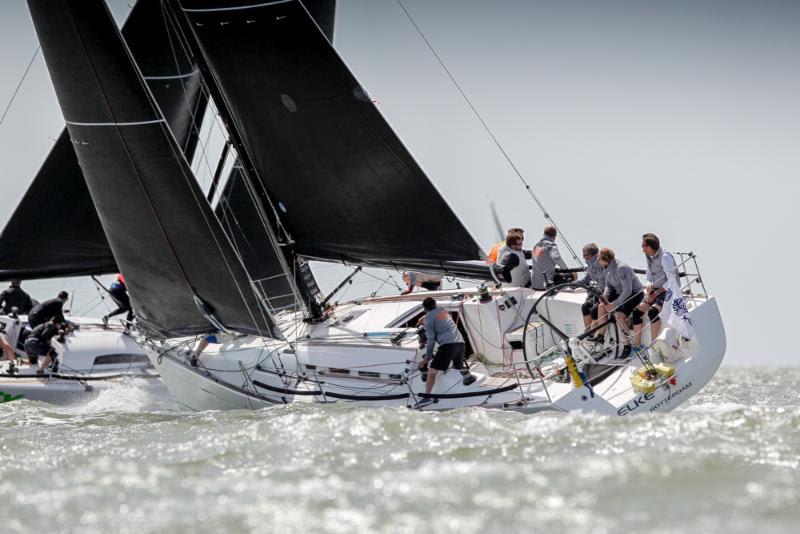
(679, 118)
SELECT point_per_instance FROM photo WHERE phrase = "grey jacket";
(441, 329)
(658, 267)
(545, 259)
(594, 273)
(621, 278)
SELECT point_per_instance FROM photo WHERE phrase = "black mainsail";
(339, 179)
(181, 270)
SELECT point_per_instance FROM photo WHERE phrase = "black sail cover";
(161, 229)
(344, 184)
(73, 243)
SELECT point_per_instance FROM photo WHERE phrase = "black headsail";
(243, 222)
(75, 244)
(182, 272)
(341, 181)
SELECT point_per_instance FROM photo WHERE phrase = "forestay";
(161, 229)
(341, 181)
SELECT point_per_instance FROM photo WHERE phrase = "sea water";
(726, 461)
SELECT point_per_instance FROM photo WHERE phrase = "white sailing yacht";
(320, 175)
(92, 358)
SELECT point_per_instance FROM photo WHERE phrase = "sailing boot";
(467, 378)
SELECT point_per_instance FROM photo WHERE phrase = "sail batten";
(182, 274)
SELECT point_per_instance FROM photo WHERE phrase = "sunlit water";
(129, 462)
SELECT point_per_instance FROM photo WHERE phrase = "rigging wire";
(21, 80)
(491, 134)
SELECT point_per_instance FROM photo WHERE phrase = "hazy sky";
(680, 118)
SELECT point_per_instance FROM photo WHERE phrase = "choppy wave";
(129, 461)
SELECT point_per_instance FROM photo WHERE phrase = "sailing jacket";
(44, 332)
(15, 297)
(659, 267)
(621, 279)
(45, 311)
(441, 329)
(594, 273)
(545, 258)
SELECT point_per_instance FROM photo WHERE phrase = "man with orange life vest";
(119, 292)
(496, 252)
(441, 330)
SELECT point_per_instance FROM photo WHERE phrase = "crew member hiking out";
(44, 311)
(441, 330)
(660, 266)
(546, 258)
(15, 297)
(119, 292)
(623, 293)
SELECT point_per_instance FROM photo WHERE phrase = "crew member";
(44, 311)
(660, 266)
(623, 293)
(15, 297)
(442, 330)
(496, 252)
(119, 292)
(545, 259)
(39, 343)
(7, 349)
(594, 275)
(512, 268)
(431, 282)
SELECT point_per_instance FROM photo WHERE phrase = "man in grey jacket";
(623, 293)
(442, 330)
(546, 258)
(660, 266)
(595, 274)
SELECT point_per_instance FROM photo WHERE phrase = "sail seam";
(235, 8)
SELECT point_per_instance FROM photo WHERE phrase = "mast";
(295, 268)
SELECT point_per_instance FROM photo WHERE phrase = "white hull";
(91, 359)
(359, 363)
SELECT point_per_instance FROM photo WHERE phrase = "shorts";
(450, 352)
(660, 299)
(431, 286)
(629, 305)
(35, 347)
(589, 306)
